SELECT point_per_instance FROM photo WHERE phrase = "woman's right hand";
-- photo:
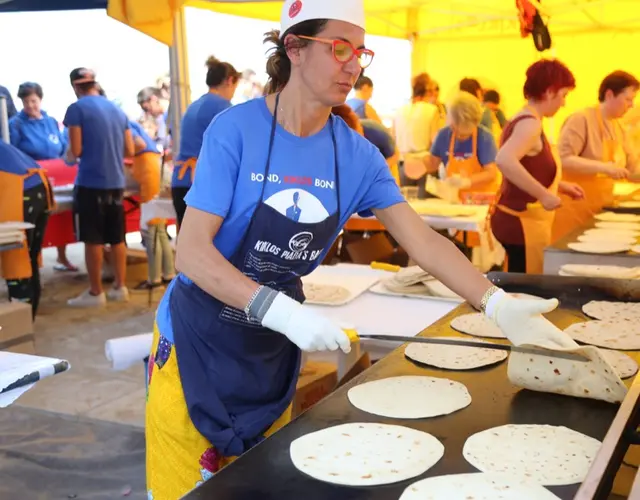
(613, 171)
(550, 201)
(305, 328)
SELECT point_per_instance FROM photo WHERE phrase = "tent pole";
(179, 73)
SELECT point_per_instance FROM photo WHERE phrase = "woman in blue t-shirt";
(222, 80)
(276, 180)
(38, 135)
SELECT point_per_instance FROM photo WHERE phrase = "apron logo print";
(300, 241)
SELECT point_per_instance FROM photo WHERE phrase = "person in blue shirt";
(32, 130)
(360, 103)
(378, 135)
(99, 136)
(38, 135)
(11, 108)
(25, 196)
(466, 149)
(225, 356)
(493, 117)
(222, 80)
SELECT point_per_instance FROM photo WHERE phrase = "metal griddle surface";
(266, 472)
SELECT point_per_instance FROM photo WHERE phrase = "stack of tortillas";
(414, 281)
(365, 454)
(592, 271)
(410, 397)
(408, 280)
(452, 357)
(544, 454)
(476, 486)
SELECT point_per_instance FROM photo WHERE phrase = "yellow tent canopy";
(405, 19)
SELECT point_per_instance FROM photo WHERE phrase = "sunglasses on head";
(343, 51)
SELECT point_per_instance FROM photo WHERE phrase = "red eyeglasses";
(344, 51)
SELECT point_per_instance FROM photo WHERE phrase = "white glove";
(522, 322)
(459, 182)
(306, 329)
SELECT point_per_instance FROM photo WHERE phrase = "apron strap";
(189, 164)
(51, 203)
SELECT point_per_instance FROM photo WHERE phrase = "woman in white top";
(415, 127)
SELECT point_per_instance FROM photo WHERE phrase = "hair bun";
(212, 61)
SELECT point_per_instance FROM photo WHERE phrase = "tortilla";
(451, 357)
(478, 325)
(599, 247)
(476, 486)
(612, 237)
(595, 379)
(629, 204)
(614, 311)
(325, 294)
(624, 365)
(410, 397)
(586, 270)
(365, 454)
(612, 334)
(549, 455)
(438, 289)
(617, 226)
(615, 217)
(629, 228)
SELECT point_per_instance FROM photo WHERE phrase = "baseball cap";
(297, 11)
(82, 75)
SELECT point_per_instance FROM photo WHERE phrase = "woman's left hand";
(574, 191)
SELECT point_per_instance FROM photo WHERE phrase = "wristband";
(488, 301)
(260, 302)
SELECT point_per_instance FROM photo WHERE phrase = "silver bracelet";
(247, 308)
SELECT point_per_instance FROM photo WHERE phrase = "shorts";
(98, 215)
(180, 206)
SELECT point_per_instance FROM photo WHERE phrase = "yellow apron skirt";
(178, 457)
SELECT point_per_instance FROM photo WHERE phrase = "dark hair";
(84, 88)
(278, 63)
(545, 75)
(470, 85)
(616, 82)
(420, 85)
(491, 96)
(219, 72)
(345, 112)
(29, 88)
(363, 81)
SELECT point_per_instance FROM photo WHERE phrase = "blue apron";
(237, 376)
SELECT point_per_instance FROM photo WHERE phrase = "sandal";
(65, 267)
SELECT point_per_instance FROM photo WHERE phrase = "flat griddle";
(266, 472)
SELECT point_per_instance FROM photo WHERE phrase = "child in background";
(146, 171)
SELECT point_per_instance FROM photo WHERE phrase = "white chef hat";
(297, 11)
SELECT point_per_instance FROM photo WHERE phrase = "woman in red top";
(531, 178)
